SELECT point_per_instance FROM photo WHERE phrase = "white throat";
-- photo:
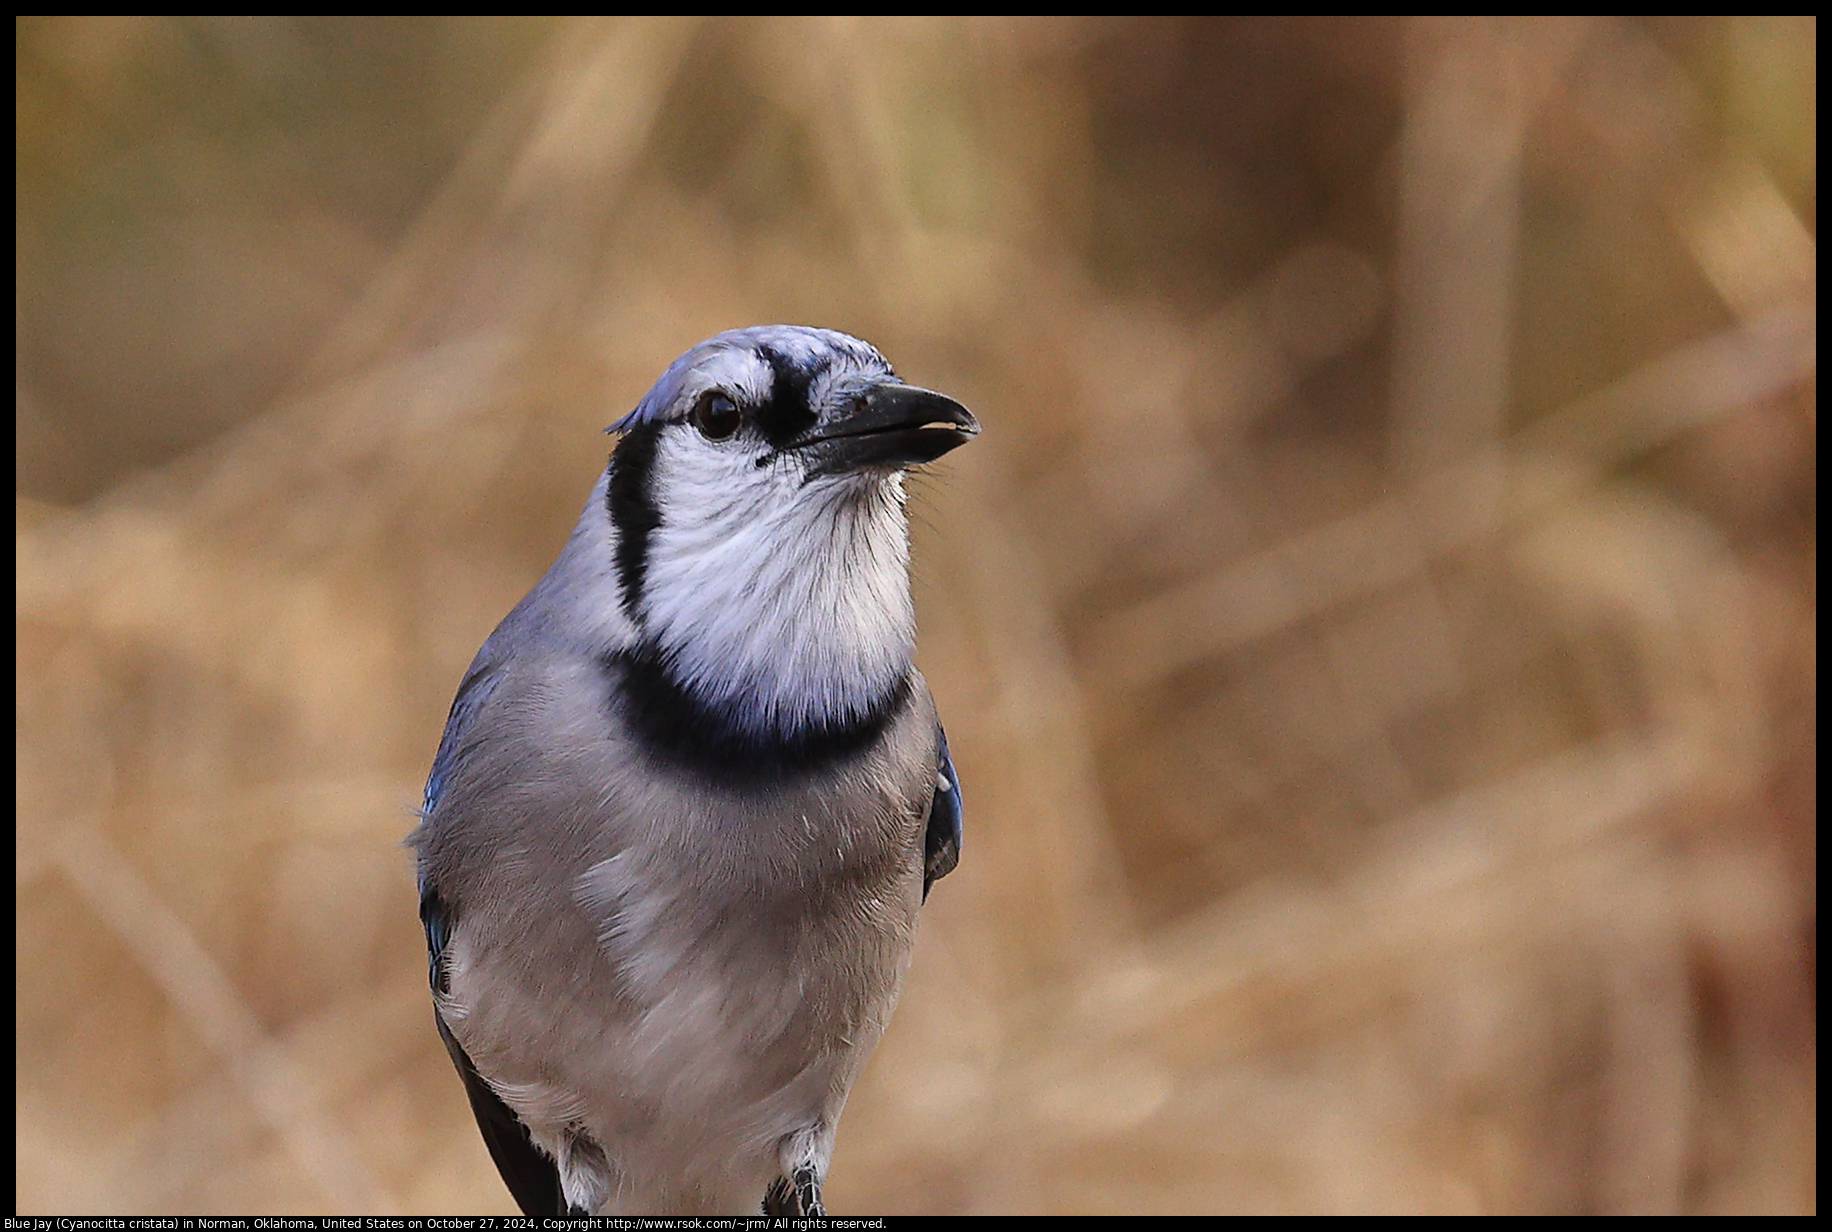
(782, 605)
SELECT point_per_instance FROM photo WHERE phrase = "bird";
(692, 792)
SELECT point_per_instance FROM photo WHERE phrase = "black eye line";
(785, 414)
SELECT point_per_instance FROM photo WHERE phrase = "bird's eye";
(716, 416)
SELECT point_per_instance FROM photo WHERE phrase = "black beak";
(891, 426)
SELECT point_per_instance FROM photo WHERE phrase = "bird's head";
(757, 498)
(801, 403)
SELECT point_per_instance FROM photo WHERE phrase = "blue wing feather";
(529, 1173)
(475, 690)
(941, 842)
(531, 1176)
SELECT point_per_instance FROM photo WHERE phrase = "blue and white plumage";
(692, 792)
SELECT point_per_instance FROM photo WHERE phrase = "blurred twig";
(207, 1000)
(511, 237)
(1315, 571)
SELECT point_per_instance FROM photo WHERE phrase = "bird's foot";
(790, 1197)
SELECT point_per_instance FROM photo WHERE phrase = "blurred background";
(1375, 630)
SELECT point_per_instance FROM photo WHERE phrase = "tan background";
(1376, 628)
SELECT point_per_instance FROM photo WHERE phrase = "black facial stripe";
(787, 414)
(671, 721)
(629, 498)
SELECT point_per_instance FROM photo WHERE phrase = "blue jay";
(692, 792)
